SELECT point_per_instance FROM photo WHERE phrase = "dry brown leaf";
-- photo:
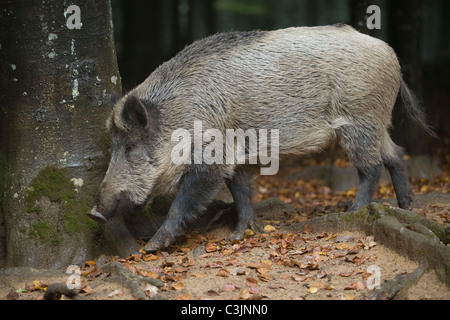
(248, 233)
(312, 290)
(223, 273)
(185, 296)
(251, 281)
(199, 275)
(211, 247)
(307, 228)
(130, 267)
(264, 277)
(237, 271)
(300, 278)
(254, 290)
(178, 286)
(89, 263)
(87, 290)
(229, 288)
(244, 294)
(269, 228)
(150, 257)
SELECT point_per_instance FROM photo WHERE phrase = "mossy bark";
(57, 88)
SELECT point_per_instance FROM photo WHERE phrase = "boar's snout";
(96, 216)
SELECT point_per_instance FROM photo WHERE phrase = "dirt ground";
(274, 264)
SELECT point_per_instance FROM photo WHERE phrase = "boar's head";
(131, 175)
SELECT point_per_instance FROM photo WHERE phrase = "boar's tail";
(413, 108)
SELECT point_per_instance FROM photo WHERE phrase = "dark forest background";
(149, 32)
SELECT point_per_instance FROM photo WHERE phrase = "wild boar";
(311, 85)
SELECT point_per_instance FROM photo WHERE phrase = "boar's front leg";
(198, 187)
(241, 189)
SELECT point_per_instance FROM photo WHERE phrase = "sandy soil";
(272, 265)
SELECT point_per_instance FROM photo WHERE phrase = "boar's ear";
(134, 113)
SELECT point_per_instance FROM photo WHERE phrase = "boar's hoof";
(153, 246)
(239, 232)
(96, 216)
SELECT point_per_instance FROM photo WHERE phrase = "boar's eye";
(129, 147)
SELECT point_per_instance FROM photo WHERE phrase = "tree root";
(409, 234)
(130, 280)
(56, 290)
(398, 287)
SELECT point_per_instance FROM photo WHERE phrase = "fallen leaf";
(179, 286)
(212, 293)
(254, 290)
(12, 295)
(321, 274)
(262, 270)
(366, 275)
(300, 278)
(185, 296)
(89, 263)
(229, 288)
(199, 275)
(212, 265)
(264, 277)
(312, 290)
(355, 286)
(136, 257)
(342, 246)
(211, 247)
(307, 228)
(248, 233)
(222, 273)
(227, 252)
(251, 281)
(244, 294)
(186, 262)
(345, 275)
(87, 290)
(268, 228)
(237, 272)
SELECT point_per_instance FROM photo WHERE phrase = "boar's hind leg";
(362, 145)
(368, 183)
(393, 160)
(196, 191)
(241, 189)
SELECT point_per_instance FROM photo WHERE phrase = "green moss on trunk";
(55, 184)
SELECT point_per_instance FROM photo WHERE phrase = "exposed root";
(398, 287)
(130, 280)
(56, 290)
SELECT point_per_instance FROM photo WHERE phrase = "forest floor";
(277, 264)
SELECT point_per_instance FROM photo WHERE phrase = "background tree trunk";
(359, 15)
(405, 31)
(57, 85)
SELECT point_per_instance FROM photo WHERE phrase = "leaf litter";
(274, 264)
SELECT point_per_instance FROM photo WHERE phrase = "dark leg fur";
(368, 183)
(241, 190)
(196, 191)
(361, 143)
(399, 176)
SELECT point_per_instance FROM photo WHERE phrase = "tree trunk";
(405, 37)
(359, 15)
(57, 88)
